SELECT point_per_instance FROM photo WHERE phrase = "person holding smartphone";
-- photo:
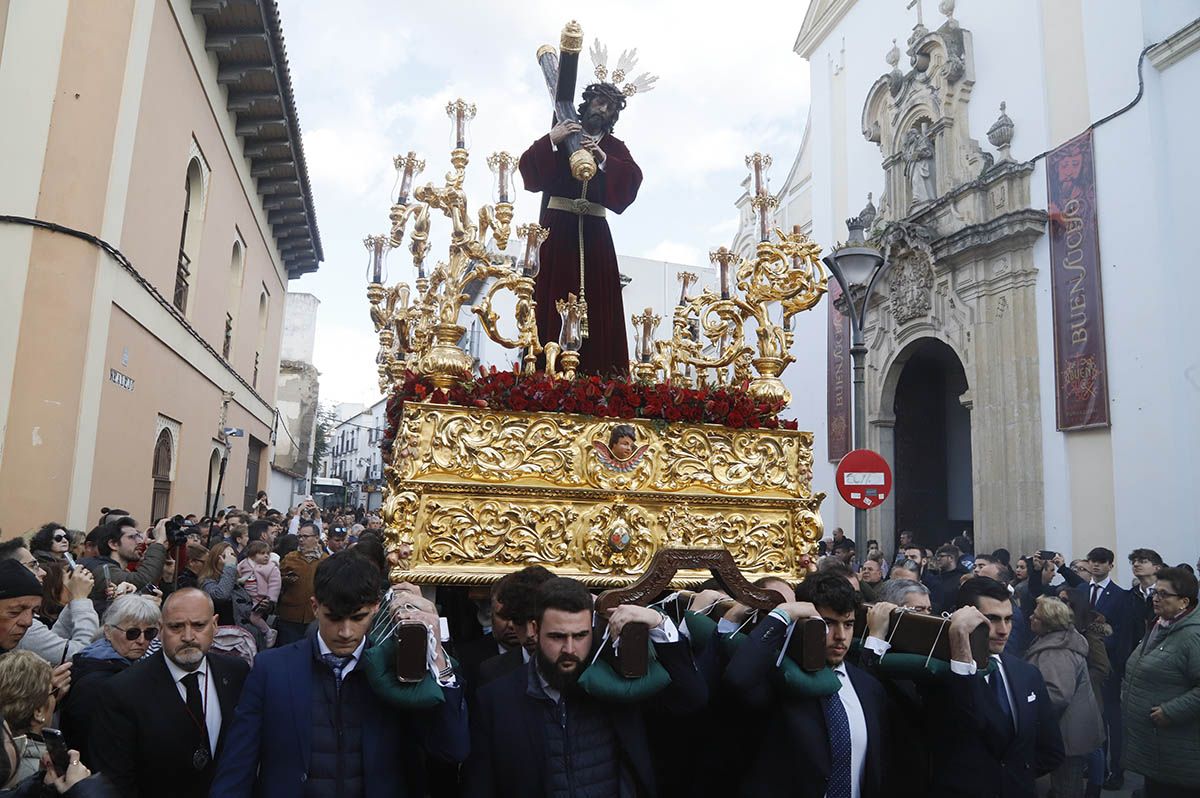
(121, 547)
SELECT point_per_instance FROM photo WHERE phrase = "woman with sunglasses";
(131, 624)
(51, 542)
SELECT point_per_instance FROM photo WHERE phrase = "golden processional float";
(489, 471)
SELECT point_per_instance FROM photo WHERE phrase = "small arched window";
(189, 234)
(237, 261)
(214, 472)
(161, 502)
(263, 307)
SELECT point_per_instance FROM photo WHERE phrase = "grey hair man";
(906, 593)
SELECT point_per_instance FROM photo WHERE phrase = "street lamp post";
(856, 266)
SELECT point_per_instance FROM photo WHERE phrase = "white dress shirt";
(858, 730)
(354, 658)
(208, 695)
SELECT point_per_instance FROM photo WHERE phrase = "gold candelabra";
(423, 332)
(784, 272)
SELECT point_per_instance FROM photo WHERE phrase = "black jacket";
(143, 738)
(792, 756)
(975, 749)
(35, 786)
(508, 747)
(494, 668)
(89, 680)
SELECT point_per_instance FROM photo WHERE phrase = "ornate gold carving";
(727, 460)
(494, 532)
(477, 493)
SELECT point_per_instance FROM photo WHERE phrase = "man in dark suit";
(162, 721)
(815, 746)
(1113, 602)
(518, 599)
(499, 641)
(993, 732)
(534, 732)
(308, 723)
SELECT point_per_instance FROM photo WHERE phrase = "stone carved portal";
(960, 274)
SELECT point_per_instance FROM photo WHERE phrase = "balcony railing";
(182, 271)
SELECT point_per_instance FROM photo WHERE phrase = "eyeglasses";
(33, 565)
(1165, 594)
(133, 633)
(59, 538)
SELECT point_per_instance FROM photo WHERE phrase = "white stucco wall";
(1147, 175)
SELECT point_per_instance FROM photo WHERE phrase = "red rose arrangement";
(589, 395)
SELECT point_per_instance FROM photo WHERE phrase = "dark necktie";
(194, 701)
(838, 726)
(1001, 695)
(336, 663)
(1095, 594)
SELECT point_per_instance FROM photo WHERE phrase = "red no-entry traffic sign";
(864, 479)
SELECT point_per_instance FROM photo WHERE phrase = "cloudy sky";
(372, 79)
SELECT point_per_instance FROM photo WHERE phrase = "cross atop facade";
(917, 3)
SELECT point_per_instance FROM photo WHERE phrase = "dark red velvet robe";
(605, 351)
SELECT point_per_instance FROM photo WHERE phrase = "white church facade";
(1032, 373)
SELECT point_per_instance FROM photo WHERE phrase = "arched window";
(263, 306)
(214, 471)
(161, 502)
(236, 265)
(189, 234)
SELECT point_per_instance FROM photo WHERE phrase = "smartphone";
(70, 560)
(1047, 555)
(56, 747)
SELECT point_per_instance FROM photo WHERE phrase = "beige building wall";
(94, 365)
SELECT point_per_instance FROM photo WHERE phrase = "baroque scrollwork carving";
(730, 461)
(501, 447)
(754, 538)
(467, 532)
(474, 493)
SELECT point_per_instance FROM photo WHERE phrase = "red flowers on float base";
(589, 395)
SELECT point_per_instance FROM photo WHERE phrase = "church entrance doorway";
(932, 457)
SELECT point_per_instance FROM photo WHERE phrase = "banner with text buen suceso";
(1080, 363)
(837, 384)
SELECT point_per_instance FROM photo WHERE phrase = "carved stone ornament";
(911, 286)
(919, 119)
(475, 493)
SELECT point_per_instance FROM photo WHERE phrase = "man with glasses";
(77, 623)
(294, 612)
(123, 545)
(1146, 563)
(163, 721)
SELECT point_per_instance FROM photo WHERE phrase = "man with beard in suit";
(162, 721)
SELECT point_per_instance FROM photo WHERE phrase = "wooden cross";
(917, 3)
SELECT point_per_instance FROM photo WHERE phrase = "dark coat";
(35, 786)
(492, 669)
(89, 679)
(1115, 605)
(508, 746)
(793, 756)
(268, 752)
(976, 751)
(143, 738)
(471, 656)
